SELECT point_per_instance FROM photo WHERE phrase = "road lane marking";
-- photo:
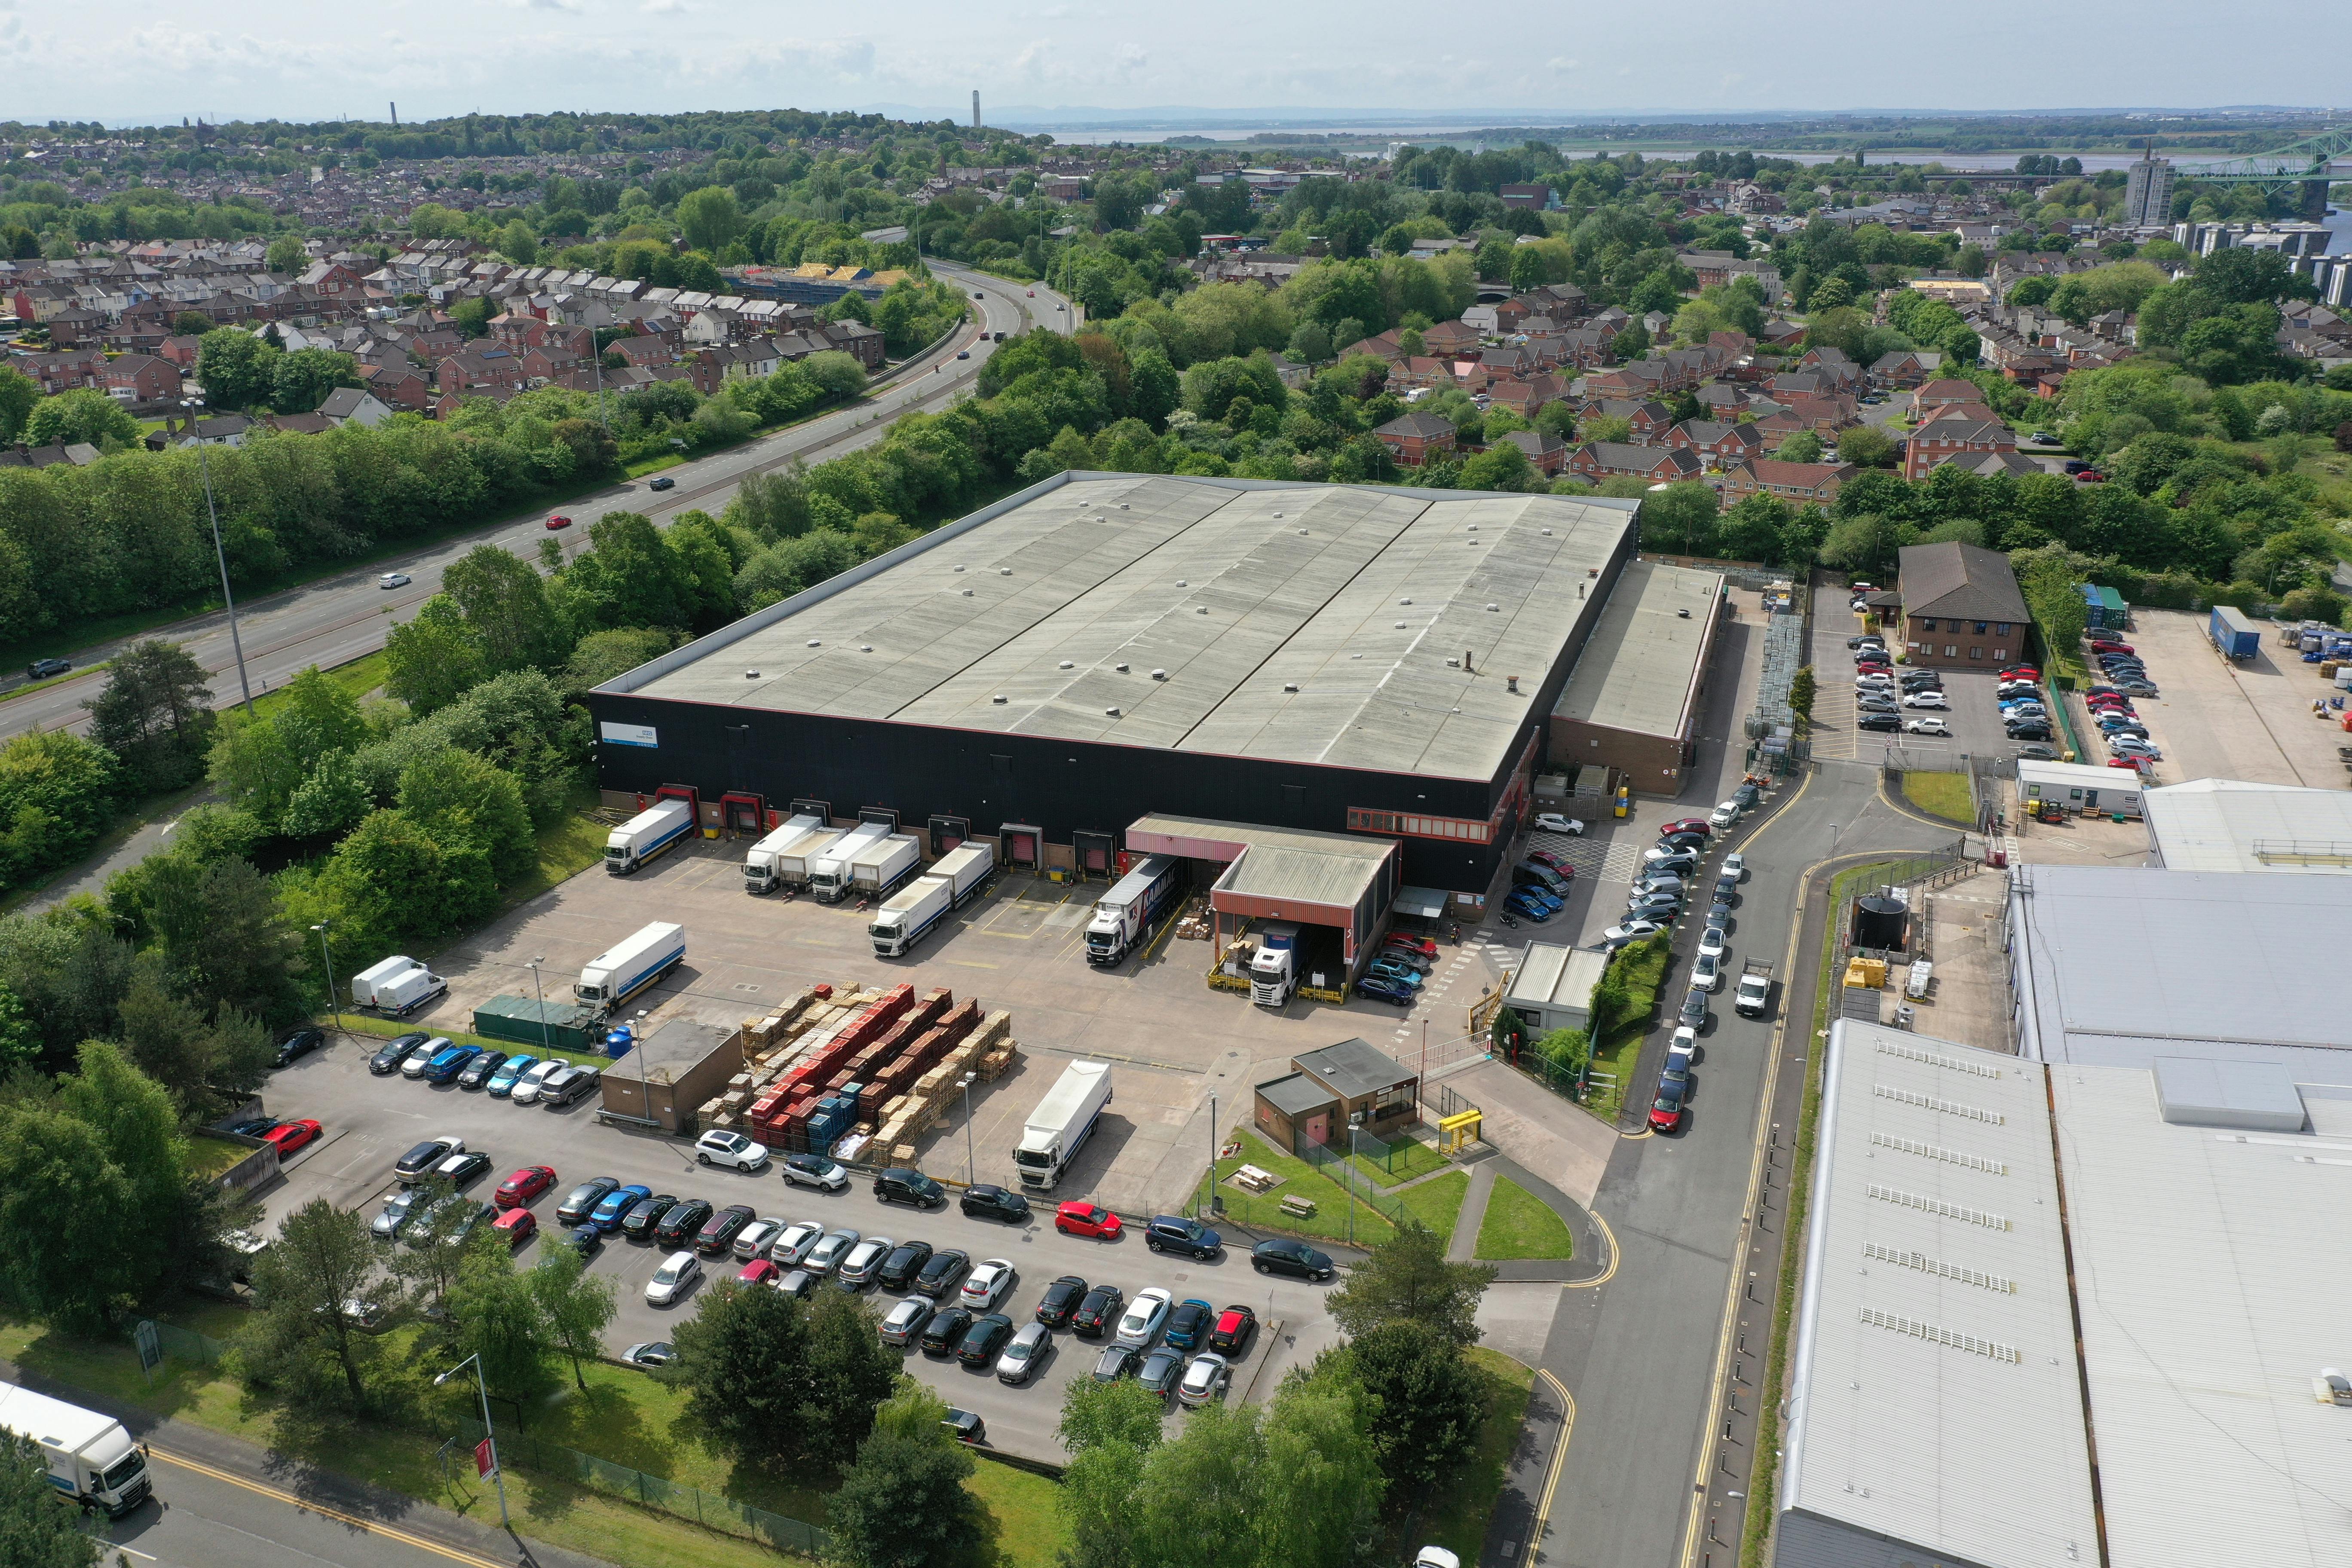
(369, 1526)
(1558, 1457)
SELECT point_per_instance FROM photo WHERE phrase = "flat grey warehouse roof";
(1048, 614)
(1642, 667)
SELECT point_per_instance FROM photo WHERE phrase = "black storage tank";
(1878, 922)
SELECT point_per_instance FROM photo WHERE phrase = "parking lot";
(1973, 717)
(2220, 720)
(370, 1122)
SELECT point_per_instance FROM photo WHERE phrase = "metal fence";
(707, 1509)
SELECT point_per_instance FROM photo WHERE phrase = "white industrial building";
(2231, 824)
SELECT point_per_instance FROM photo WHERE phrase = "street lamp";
(971, 1162)
(1209, 1201)
(333, 1000)
(474, 1360)
(545, 1042)
(1355, 1120)
(220, 555)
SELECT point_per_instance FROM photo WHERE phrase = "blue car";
(1526, 908)
(606, 1215)
(1188, 1324)
(446, 1065)
(1543, 900)
(1389, 969)
(510, 1072)
(1380, 990)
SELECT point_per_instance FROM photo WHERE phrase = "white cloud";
(659, 8)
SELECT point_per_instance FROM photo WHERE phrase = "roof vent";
(1159, 675)
(2331, 1387)
(1399, 626)
(1452, 664)
(1111, 712)
(1182, 584)
(1404, 601)
(1277, 514)
(1290, 686)
(750, 675)
(1120, 667)
(1302, 533)
(1547, 534)
(1494, 606)
(865, 648)
(1682, 614)
(1510, 683)
(1122, 506)
(999, 697)
(959, 568)
(815, 643)
(1200, 609)
(1473, 528)
(967, 593)
(1004, 571)
(1067, 665)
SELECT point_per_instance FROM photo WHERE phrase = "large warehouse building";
(1634, 707)
(1099, 646)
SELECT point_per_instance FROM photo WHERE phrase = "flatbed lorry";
(1754, 988)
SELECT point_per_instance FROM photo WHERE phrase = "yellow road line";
(1606, 1275)
(1559, 1456)
(372, 1527)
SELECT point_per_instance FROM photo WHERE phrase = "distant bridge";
(2306, 168)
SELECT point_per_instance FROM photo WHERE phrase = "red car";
(290, 1136)
(558, 521)
(1420, 944)
(1087, 1219)
(2123, 763)
(517, 1226)
(2021, 672)
(1545, 858)
(524, 1186)
(1697, 824)
(2098, 647)
(758, 1271)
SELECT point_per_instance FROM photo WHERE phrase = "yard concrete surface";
(372, 1121)
(1972, 714)
(2220, 720)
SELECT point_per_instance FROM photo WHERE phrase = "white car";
(1925, 700)
(1706, 973)
(1435, 1557)
(529, 1087)
(1872, 677)
(1713, 944)
(420, 1058)
(1205, 1379)
(717, 1148)
(1735, 863)
(754, 1239)
(1139, 1324)
(674, 1279)
(826, 1253)
(1631, 930)
(986, 1285)
(1724, 816)
(1553, 822)
(792, 1249)
(1926, 727)
(1686, 1041)
(815, 1170)
(394, 580)
(857, 1266)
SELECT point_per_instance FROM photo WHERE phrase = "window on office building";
(1976, 653)
(1950, 652)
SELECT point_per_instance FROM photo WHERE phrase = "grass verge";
(1616, 1053)
(354, 680)
(385, 1028)
(32, 686)
(1458, 1522)
(1330, 1220)
(208, 1157)
(1520, 1225)
(1410, 1158)
(1940, 795)
(1437, 1204)
(567, 847)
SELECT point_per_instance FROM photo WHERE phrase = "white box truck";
(665, 823)
(1124, 916)
(90, 1458)
(966, 867)
(759, 862)
(1057, 1128)
(879, 868)
(1274, 970)
(908, 913)
(399, 985)
(829, 868)
(796, 860)
(619, 972)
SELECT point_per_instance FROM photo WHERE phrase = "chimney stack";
(1466, 662)
(975, 109)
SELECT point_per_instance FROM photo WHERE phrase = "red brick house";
(181, 350)
(1718, 445)
(140, 379)
(1412, 438)
(1935, 394)
(398, 386)
(1800, 482)
(1524, 398)
(333, 280)
(1547, 454)
(489, 367)
(1599, 461)
(1961, 607)
(1940, 440)
(1649, 420)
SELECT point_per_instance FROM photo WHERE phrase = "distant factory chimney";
(396, 114)
(975, 109)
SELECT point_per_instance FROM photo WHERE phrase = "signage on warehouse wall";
(629, 735)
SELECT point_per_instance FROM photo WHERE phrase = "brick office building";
(1961, 607)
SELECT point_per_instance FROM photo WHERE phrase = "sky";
(297, 60)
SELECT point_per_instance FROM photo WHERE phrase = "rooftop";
(2228, 825)
(1278, 864)
(1293, 622)
(1353, 1069)
(1961, 581)
(1640, 668)
(671, 1050)
(1553, 975)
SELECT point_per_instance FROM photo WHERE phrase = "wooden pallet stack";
(913, 1113)
(803, 1022)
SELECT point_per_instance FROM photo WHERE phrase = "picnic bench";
(1302, 1208)
(1255, 1179)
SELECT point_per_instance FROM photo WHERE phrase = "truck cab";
(1274, 970)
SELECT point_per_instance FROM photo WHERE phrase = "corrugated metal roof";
(1356, 595)
(2231, 824)
(1934, 1392)
(1291, 864)
(1552, 974)
(2211, 1293)
(1639, 665)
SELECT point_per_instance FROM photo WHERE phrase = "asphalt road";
(345, 617)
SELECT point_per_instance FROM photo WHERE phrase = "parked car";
(945, 1331)
(857, 1265)
(1080, 1218)
(581, 1203)
(1706, 973)
(1174, 1233)
(827, 1253)
(445, 1065)
(940, 1276)
(1379, 988)
(1925, 700)
(911, 1187)
(1666, 1106)
(396, 1212)
(515, 1226)
(1525, 905)
(752, 1240)
(423, 1056)
(1876, 705)
(413, 1165)
(650, 1353)
(1878, 722)
(1160, 1370)
(1061, 1299)
(987, 1202)
(718, 1147)
(1553, 822)
(1096, 1311)
(904, 1323)
(1139, 1324)
(394, 1053)
(1395, 970)
(477, 1071)
(718, 1232)
(988, 1283)
(1205, 1379)
(504, 1077)
(792, 1245)
(568, 1085)
(2038, 753)
(585, 1240)
(461, 1171)
(1926, 727)
(1420, 946)
(1117, 1361)
(683, 1222)
(1235, 1325)
(641, 1222)
(300, 1043)
(677, 1275)
(815, 1170)
(1031, 1346)
(1631, 930)
(1281, 1256)
(1187, 1322)
(615, 1206)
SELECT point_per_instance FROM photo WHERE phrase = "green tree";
(1407, 1276)
(204, 1064)
(154, 714)
(35, 1532)
(505, 604)
(18, 392)
(437, 657)
(710, 218)
(576, 1307)
(2048, 578)
(286, 254)
(903, 1504)
(84, 414)
(600, 656)
(303, 1331)
(301, 380)
(435, 1247)
(1681, 517)
(518, 244)
(1867, 447)
(1802, 447)
(463, 801)
(223, 939)
(1322, 1480)
(238, 369)
(1802, 692)
(1310, 343)
(191, 324)
(744, 1362)
(1432, 1402)
(499, 1314)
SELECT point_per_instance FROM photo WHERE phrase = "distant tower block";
(975, 109)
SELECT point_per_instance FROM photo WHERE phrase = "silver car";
(754, 1239)
(828, 1252)
(1205, 1379)
(795, 1242)
(906, 1321)
(855, 1269)
(1031, 1345)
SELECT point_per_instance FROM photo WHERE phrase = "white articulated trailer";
(760, 861)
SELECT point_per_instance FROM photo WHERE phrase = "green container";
(565, 1025)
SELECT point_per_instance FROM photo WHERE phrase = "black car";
(1719, 913)
(1528, 874)
(662, 483)
(42, 668)
(420, 1160)
(946, 1329)
(576, 1208)
(1865, 639)
(1231, 1337)
(939, 1275)
(905, 1260)
(1727, 883)
(394, 1052)
(909, 1188)
(1878, 722)
(584, 1239)
(984, 1340)
(1295, 1258)
(678, 1226)
(1174, 1232)
(718, 1232)
(477, 1071)
(995, 1203)
(301, 1042)
(1062, 1299)
(1684, 841)
(1097, 1311)
(1116, 1362)
(966, 1426)
(1160, 1372)
(638, 1224)
(2037, 753)
(465, 1170)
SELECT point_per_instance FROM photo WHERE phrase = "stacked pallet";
(803, 1022)
(912, 1113)
(780, 1114)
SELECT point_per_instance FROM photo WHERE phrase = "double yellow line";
(372, 1527)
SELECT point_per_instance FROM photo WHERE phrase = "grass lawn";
(645, 466)
(1437, 1204)
(1409, 1158)
(1942, 795)
(1520, 1225)
(567, 847)
(1458, 1520)
(211, 1156)
(360, 1024)
(32, 686)
(1617, 1054)
(355, 681)
(1330, 1220)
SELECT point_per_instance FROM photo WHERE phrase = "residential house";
(398, 384)
(1525, 397)
(355, 406)
(1449, 338)
(1961, 607)
(1935, 394)
(213, 431)
(489, 366)
(1597, 461)
(1546, 452)
(1647, 419)
(1540, 197)
(1817, 483)
(80, 453)
(1413, 437)
(140, 379)
(1941, 439)
(1780, 331)
(1905, 368)
(66, 371)
(1714, 267)
(1716, 444)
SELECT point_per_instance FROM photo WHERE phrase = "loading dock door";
(947, 832)
(1096, 853)
(1022, 844)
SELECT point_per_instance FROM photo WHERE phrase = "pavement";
(345, 615)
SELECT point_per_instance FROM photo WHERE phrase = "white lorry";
(399, 985)
(829, 868)
(796, 861)
(1057, 1128)
(759, 861)
(90, 1458)
(619, 972)
(1123, 916)
(966, 867)
(879, 868)
(908, 913)
(658, 828)
(1274, 969)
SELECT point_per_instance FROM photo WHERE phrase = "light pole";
(546, 1043)
(474, 1360)
(1209, 1199)
(1355, 1119)
(220, 555)
(333, 1000)
(971, 1160)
